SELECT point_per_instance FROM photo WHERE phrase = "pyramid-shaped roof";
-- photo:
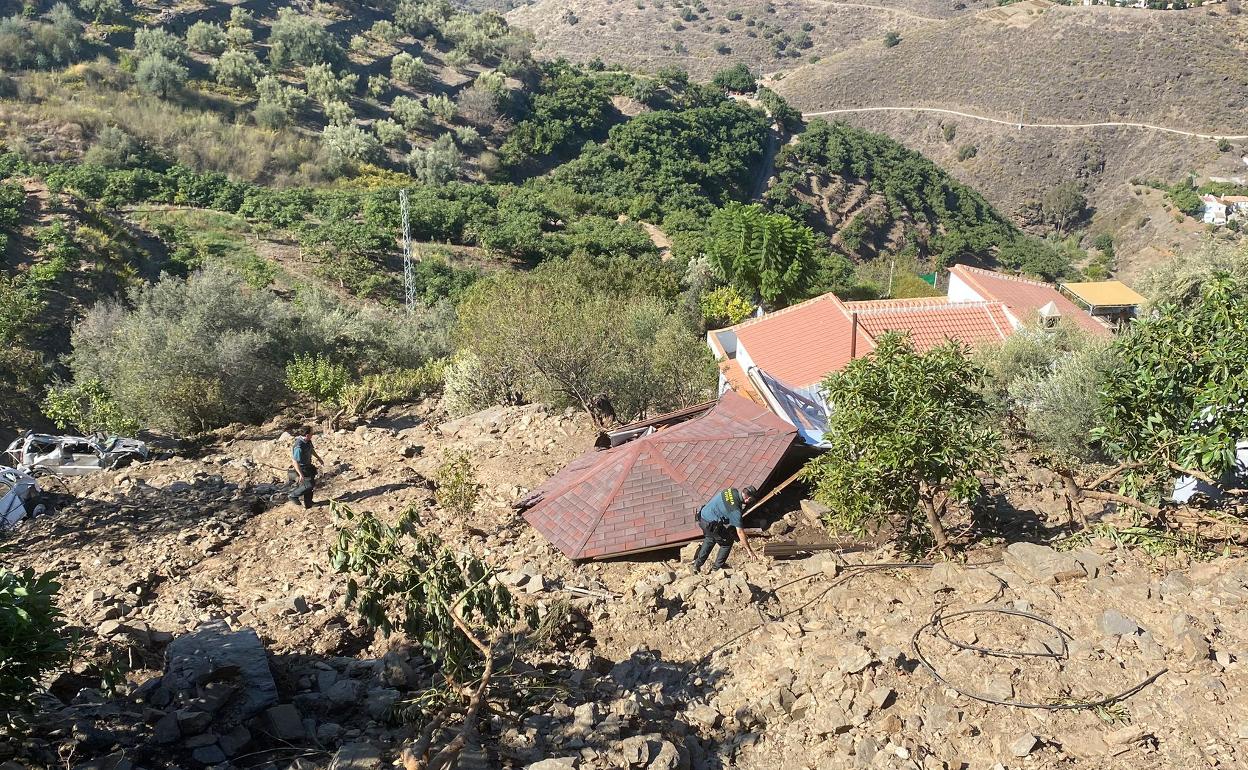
(643, 494)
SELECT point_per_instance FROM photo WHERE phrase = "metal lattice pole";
(409, 280)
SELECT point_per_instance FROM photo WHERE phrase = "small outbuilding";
(643, 494)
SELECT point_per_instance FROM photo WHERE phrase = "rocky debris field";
(239, 650)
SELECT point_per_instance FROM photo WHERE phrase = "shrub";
(318, 378)
(467, 137)
(436, 164)
(579, 345)
(271, 115)
(348, 143)
(457, 487)
(325, 87)
(442, 107)
(191, 354)
(160, 76)
(470, 386)
(33, 638)
(87, 407)
(237, 68)
(408, 70)
(206, 37)
(966, 152)
(149, 41)
(411, 113)
(298, 39)
(724, 307)
(389, 133)
(1182, 278)
(396, 387)
(1059, 405)
(891, 39)
(339, 113)
(113, 148)
(478, 105)
(385, 31)
(907, 432)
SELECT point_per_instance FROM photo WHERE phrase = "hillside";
(1065, 64)
(805, 662)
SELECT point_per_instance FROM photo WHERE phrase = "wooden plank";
(775, 491)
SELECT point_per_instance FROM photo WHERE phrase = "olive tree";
(159, 75)
(907, 432)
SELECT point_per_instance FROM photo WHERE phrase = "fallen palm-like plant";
(403, 578)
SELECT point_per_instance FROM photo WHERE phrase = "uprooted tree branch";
(406, 579)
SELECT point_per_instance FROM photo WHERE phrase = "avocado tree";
(907, 432)
(404, 578)
(317, 378)
(32, 638)
(1173, 400)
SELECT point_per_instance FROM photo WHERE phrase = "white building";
(1214, 211)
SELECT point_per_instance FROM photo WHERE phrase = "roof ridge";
(1004, 276)
(750, 322)
(988, 303)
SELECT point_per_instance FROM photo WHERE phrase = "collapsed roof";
(643, 494)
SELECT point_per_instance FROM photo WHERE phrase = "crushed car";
(19, 496)
(74, 455)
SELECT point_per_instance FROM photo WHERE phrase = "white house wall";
(961, 291)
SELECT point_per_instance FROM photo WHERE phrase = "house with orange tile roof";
(780, 360)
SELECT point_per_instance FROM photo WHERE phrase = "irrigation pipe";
(937, 626)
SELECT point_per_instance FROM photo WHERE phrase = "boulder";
(285, 722)
(1042, 564)
(356, 756)
(1114, 623)
(560, 763)
(1024, 745)
(213, 652)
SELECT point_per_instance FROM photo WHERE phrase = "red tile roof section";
(934, 323)
(644, 493)
(800, 344)
(1025, 297)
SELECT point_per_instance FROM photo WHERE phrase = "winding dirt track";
(1107, 124)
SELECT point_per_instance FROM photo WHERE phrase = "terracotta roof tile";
(973, 323)
(802, 343)
(644, 493)
(1024, 297)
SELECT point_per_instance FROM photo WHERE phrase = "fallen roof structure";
(642, 495)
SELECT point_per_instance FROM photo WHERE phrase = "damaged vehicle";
(75, 455)
(19, 496)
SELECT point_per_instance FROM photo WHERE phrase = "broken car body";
(74, 455)
(19, 496)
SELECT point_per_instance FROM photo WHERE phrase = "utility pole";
(409, 279)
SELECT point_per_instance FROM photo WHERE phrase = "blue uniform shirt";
(302, 452)
(726, 506)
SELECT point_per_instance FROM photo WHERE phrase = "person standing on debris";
(717, 519)
(302, 455)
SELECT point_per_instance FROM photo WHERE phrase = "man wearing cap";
(717, 519)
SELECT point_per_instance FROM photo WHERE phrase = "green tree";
(1174, 397)
(33, 638)
(317, 378)
(160, 76)
(736, 79)
(764, 255)
(1064, 206)
(298, 39)
(457, 487)
(408, 70)
(149, 41)
(237, 68)
(206, 37)
(87, 407)
(436, 164)
(907, 432)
